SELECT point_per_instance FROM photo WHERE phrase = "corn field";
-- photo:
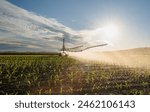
(55, 75)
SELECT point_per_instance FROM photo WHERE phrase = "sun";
(111, 30)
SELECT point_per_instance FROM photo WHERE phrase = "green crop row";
(35, 74)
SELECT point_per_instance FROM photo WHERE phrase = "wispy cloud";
(24, 29)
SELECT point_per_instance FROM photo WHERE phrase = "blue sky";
(88, 17)
(84, 12)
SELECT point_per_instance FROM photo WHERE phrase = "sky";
(29, 25)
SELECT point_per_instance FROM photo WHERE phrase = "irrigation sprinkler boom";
(80, 48)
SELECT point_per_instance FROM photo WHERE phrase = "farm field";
(55, 75)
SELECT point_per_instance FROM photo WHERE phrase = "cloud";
(21, 30)
(94, 36)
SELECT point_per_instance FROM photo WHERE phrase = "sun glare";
(107, 33)
(111, 30)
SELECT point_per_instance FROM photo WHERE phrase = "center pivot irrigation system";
(64, 50)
